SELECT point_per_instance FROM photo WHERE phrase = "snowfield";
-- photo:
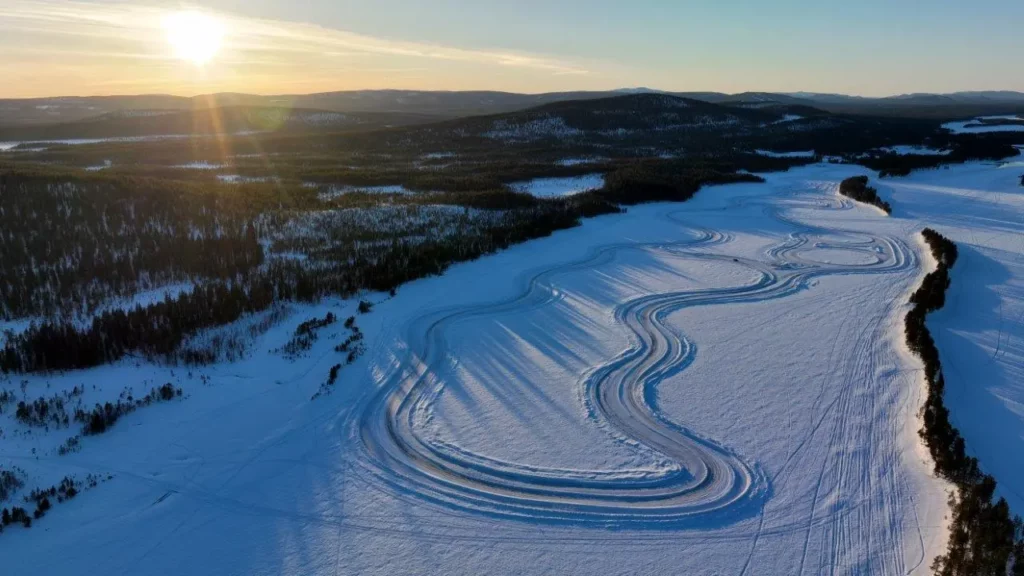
(555, 187)
(713, 387)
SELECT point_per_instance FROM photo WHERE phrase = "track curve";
(707, 481)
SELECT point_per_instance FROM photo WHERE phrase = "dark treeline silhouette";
(964, 148)
(858, 189)
(981, 122)
(984, 536)
(664, 182)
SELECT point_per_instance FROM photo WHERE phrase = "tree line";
(857, 188)
(336, 263)
(67, 245)
(963, 148)
(984, 537)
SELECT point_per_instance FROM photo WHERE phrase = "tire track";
(708, 483)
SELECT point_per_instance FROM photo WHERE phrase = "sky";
(867, 47)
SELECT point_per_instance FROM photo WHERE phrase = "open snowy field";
(713, 387)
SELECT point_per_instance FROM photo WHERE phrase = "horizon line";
(794, 93)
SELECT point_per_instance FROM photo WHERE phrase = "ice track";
(707, 484)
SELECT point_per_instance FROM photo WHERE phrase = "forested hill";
(207, 121)
(652, 118)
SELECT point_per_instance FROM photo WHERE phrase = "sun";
(194, 36)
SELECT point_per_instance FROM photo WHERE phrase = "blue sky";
(865, 47)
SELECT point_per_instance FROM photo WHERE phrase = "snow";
(106, 164)
(536, 129)
(580, 161)
(143, 298)
(788, 118)
(980, 332)
(13, 327)
(966, 128)
(5, 146)
(200, 165)
(555, 187)
(148, 297)
(904, 150)
(553, 408)
(807, 154)
(332, 192)
(239, 179)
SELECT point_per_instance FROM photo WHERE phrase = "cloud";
(135, 30)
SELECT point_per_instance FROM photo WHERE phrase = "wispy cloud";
(98, 34)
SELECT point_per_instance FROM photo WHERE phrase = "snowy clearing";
(788, 118)
(558, 407)
(555, 187)
(798, 154)
(916, 150)
(581, 161)
(201, 165)
(239, 179)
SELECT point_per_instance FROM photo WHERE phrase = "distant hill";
(654, 121)
(207, 121)
(439, 104)
(443, 104)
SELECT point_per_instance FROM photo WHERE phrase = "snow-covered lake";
(496, 424)
(555, 187)
(966, 128)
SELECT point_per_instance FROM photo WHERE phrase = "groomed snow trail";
(707, 484)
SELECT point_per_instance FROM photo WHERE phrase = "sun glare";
(194, 36)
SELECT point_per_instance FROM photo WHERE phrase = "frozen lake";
(718, 386)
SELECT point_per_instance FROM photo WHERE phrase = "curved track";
(707, 481)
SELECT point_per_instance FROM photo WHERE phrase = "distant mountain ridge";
(652, 121)
(452, 104)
